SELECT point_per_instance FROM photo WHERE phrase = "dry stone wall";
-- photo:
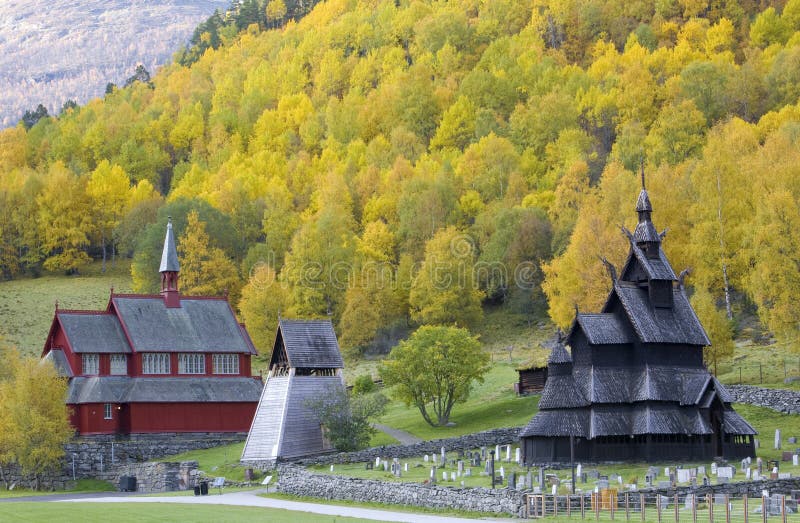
(785, 401)
(295, 480)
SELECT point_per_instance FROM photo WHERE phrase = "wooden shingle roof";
(677, 324)
(604, 329)
(310, 343)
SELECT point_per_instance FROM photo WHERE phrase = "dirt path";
(400, 435)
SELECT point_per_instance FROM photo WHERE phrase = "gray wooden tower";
(305, 364)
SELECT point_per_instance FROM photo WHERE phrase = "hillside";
(393, 164)
(54, 51)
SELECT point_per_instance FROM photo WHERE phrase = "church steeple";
(645, 235)
(170, 268)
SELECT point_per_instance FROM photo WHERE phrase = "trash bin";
(127, 483)
(204, 488)
(197, 490)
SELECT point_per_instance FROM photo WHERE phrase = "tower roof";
(169, 256)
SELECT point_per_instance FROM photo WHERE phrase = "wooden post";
(597, 501)
(641, 504)
(744, 501)
(710, 502)
(555, 505)
(760, 373)
(727, 509)
(569, 505)
(583, 508)
(676, 508)
(764, 509)
(658, 506)
(783, 508)
(627, 508)
(694, 508)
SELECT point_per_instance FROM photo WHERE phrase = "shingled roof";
(310, 343)
(604, 329)
(677, 324)
(93, 332)
(124, 389)
(169, 255)
(198, 325)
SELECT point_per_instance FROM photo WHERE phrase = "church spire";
(645, 235)
(169, 269)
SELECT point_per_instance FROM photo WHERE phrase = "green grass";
(82, 485)
(155, 512)
(27, 304)
(217, 461)
(765, 422)
(491, 404)
(380, 506)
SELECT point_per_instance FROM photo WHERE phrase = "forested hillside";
(400, 163)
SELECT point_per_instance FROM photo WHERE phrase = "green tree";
(445, 291)
(263, 298)
(205, 268)
(718, 327)
(434, 369)
(346, 419)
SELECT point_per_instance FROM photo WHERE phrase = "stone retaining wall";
(156, 476)
(739, 489)
(295, 480)
(785, 401)
(94, 455)
(489, 438)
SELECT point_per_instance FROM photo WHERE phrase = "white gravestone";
(405, 467)
(683, 476)
(497, 452)
(425, 458)
(444, 456)
(795, 460)
(725, 472)
(508, 452)
(518, 455)
(777, 439)
(748, 473)
(377, 462)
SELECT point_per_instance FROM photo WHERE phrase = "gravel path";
(400, 435)
(251, 499)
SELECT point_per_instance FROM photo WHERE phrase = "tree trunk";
(103, 241)
(725, 283)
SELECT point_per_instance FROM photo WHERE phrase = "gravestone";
(444, 475)
(444, 456)
(756, 476)
(502, 472)
(701, 470)
(664, 501)
(377, 462)
(518, 455)
(725, 472)
(460, 467)
(648, 481)
(435, 459)
(405, 467)
(777, 439)
(784, 475)
(508, 452)
(683, 476)
(748, 473)
(331, 468)
(786, 456)
(757, 443)
(497, 452)
(594, 474)
(795, 460)
(578, 470)
(512, 480)
(602, 484)
(664, 484)
(529, 479)
(713, 469)
(425, 458)
(453, 476)
(693, 482)
(689, 502)
(433, 474)
(370, 465)
(468, 472)
(719, 499)
(541, 476)
(792, 440)
(583, 478)
(706, 481)
(385, 465)
(666, 472)
(483, 452)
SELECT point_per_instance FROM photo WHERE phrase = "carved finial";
(56, 305)
(641, 170)
(682, 276)
(663, 234)
(560, 334)
(112, 289)
(628, 233)
(612, 271)
(576, 309)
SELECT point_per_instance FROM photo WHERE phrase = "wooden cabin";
(156, 363)
(531, 380)
(305, 364)
(634, 386)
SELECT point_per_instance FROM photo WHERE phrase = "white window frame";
(155, 363)
(119, 365)
(90, 364)
(108, 411)
(191, 363)
(226, 363)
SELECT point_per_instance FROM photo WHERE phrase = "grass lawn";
(82, 485)
(217, 461)
(27, 304)
(155, 512)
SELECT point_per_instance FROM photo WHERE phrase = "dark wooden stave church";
(634, 386)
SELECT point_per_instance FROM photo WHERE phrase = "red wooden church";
(156, 363)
